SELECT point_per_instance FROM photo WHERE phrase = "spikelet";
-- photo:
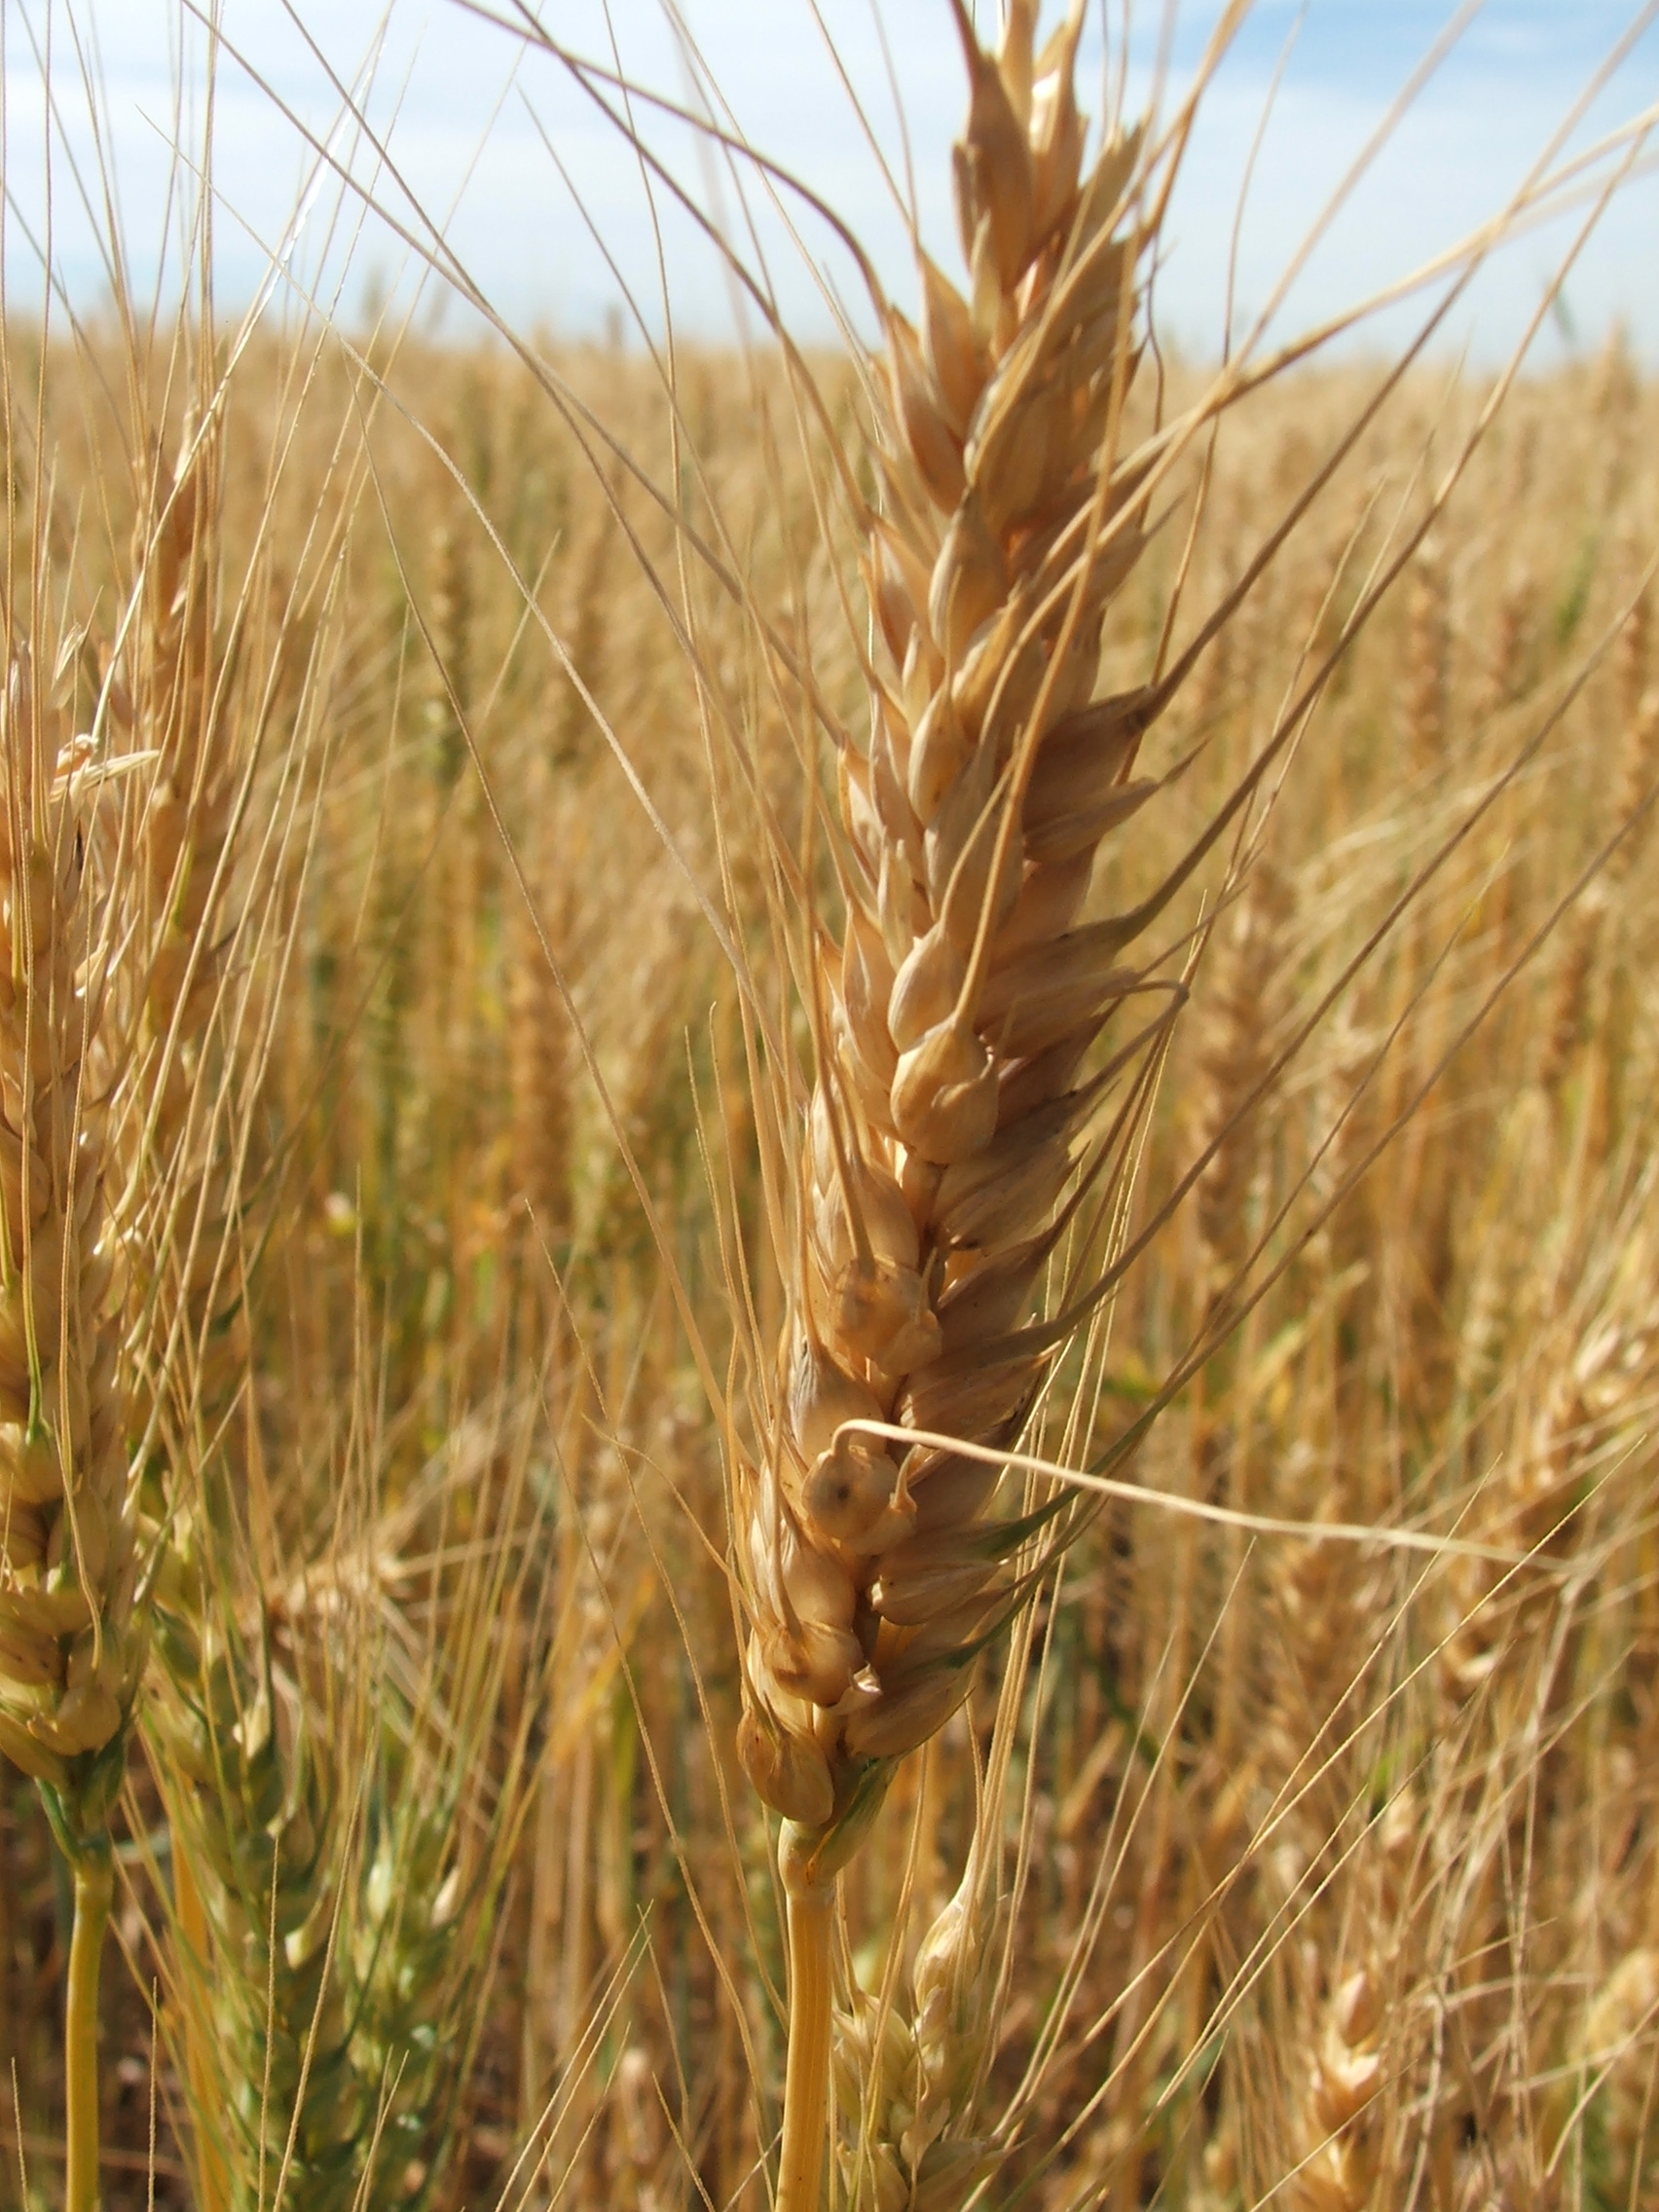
(71, 1641)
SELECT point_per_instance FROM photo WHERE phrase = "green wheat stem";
(94, 1884)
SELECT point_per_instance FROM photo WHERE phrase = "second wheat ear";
(73, 1633)
(948, 1129)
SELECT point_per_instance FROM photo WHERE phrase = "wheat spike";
(948, 1121)
(961, 1001)
(589, 626)
(1510, 650)
(1235, 1056)
(540, 1050)
(177, 704)
(908, 2085)
(174, 712)
(1636, 802)
(1429, 663)
(1339, 2123)
(71, 1643)
(1570, 995)
(1580, 1383)
(72, 1634)
(451, 640)
(1619, 2036)
(319, 1826)
(1633, 651)
(251, 1786)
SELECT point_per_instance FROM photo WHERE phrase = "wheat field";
(462, 803)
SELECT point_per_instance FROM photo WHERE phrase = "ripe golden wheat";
(1134, 1857)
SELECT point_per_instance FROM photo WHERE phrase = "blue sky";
(470, 118)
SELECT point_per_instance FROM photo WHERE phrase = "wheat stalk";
(947, 1148)
(72, 1636)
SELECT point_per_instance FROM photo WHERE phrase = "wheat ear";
(1338, 2169)
(71, 1636)
(948, 1121)
(177, 704)
(339, 1834)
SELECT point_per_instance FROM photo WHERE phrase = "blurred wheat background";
(1264, 1864)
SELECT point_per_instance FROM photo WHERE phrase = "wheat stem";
(94, 1882)
(807, 2080)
